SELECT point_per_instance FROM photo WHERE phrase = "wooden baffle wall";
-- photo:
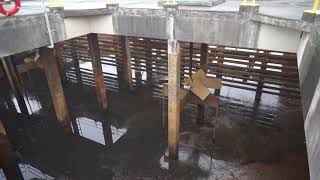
(258, 71)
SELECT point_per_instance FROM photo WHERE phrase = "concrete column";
(127, 70)
(97, 70)
(54, 82)
(148, 54)
(58, 52)
(15, 84)
(173, 97)
(8, 159)
(76, 62)
(204, 67)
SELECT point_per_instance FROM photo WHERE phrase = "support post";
(58, 52)
(76, 62)
(173, 97)
(261, 78)
(54, 82)
(220, 55)
(107, 133)
(97, 70)
(190, 58)
(204, 67)
(127, 70)
(149, 62)
(15, 84)
(8, 159)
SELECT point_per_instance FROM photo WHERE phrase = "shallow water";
(264, 141)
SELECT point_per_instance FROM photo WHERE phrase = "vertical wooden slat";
(76, 61)
(58, 53)
(148, 54)
(97, 70)
(173, 98)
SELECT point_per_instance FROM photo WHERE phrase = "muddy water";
(264, 141)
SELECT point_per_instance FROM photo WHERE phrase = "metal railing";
(315, 7)
(246, 3)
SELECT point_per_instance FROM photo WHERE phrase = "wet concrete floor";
(129, 141)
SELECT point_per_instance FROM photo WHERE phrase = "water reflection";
(29, 172)
(99, 132)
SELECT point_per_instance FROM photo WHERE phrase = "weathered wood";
(15, 83)
(107, 133)
(50, 66)
(261, 78)
(97, 70)
(190, 59)
(127, 70)
(173, 98)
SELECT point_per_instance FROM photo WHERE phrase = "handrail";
(315, 6)
(171, 2)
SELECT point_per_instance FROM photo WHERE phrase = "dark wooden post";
(97, 70)
(148, 55)
(76, 62)
(8, 159)
(204, 66)
(190, 58)
(54, 82)
(127, 70)
(220, 55)
(173, 97)
(61, 65)
(118, 56)
(261, 78)
(15, 84)
(107, 133)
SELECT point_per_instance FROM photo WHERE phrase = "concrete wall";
(22, 33)
(309, 72)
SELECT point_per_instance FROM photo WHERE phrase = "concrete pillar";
(15, 83)
(8, 159)
(173, 97)
(76, 63)
(204, 66)
(127, 70)
(54, 83)
(97, 70)
(148, 55)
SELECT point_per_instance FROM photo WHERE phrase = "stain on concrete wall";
(24, 33)
(310, 91)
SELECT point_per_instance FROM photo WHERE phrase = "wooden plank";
(97, 70)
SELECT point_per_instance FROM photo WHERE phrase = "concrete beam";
(50, 66)
(97, 70)
(23, 33)
(173, 98)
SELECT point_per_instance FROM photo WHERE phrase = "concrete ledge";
(87, 12)
(188, 3)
